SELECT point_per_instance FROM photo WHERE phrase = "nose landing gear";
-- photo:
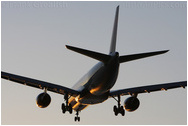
(77, 118)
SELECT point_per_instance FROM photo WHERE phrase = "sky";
(34, 35)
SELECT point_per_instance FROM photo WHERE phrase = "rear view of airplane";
(95, 86)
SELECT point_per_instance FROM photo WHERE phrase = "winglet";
(114, 32)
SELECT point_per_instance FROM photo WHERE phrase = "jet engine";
(43, 100)
(131, 104)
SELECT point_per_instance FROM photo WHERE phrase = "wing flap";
(39, 84)
(148, 89)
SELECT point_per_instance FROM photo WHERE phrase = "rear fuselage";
(95, 85)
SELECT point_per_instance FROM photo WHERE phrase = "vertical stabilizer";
(114, 32)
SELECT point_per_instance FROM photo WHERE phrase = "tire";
(122, 111)
(75, 119)
(63, 106)
(115, 110)
(121, 108)
(63, 111)
(70, 109)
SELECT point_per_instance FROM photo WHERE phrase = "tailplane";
(95, 55)
(127, 58)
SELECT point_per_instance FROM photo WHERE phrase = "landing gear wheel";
(77, 118)
(70, 108)
(122, 111)
(116, 113)
(63, 107)
(121, 108)
(115, 110)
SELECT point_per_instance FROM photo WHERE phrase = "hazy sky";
(34, 35)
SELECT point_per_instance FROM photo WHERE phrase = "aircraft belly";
(90, 99)
(77, 106)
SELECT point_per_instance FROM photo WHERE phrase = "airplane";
(95, 86)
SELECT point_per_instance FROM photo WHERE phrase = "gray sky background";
(34, 35)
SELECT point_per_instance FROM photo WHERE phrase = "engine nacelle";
(131, 104)
(43, 100)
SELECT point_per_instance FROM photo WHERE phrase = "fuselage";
(96, 84)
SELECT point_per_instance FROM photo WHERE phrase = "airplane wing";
(39, 84)
(148, 89)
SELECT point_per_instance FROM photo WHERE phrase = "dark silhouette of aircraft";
(94, 87)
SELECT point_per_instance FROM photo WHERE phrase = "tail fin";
(114, 32)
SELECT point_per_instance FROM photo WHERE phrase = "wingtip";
(67, 46)
(166, 51)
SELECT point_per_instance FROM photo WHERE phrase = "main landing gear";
(66, 107)
(77, 118)
(118, 109)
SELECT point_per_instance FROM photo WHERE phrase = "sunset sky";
(34, 35)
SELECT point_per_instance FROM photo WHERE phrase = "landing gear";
(77, 118)
(67, 106)
(118, 109)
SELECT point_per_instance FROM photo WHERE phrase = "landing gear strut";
(67, 106)
(77, 118)
(118, 109)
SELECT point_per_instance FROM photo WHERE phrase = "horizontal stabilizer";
(127, 58)
(95, 55)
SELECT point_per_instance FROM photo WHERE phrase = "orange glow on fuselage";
(92, 91)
